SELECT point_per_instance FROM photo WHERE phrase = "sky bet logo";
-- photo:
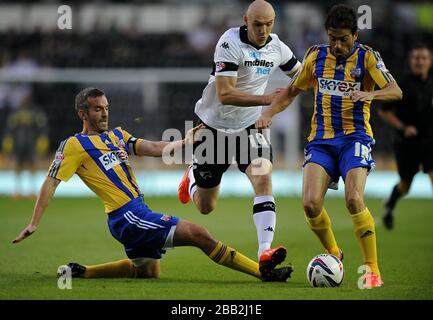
(337, 87)
(112, 159)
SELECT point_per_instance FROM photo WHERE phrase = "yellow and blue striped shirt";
(101, 161)
(333, 79)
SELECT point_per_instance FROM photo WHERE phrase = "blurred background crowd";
(153, 58)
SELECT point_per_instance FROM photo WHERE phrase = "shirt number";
(362, 151)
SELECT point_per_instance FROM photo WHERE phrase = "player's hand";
(28, 231)
(263, 122)
(192, 135)
(361, 96)
(410, 132)
(272, 95)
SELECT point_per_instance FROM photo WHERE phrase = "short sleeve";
(66, 161)
(226, 57)
(289, 63)
(377, 70)
(304, 78)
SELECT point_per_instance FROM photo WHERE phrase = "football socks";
(117, 269)
(365, 232)
(192, 188)
(321, 226)
(264, 218)
(229, 257)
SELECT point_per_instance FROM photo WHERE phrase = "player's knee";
(147, 272)
(354, 202)
(202, 238)
(152, 274)
(206, 207)
(312, 206)
(404, 186)
(203, 234)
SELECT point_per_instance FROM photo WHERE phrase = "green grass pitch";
(76, 230)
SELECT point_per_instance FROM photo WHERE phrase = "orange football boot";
(373, 280)
(270, 258)
(182, 190)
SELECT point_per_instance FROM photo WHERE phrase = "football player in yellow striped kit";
(100, 157)
(343, 75)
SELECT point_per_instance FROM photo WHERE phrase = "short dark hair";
(81, 97)
(342, 16)
(419, 45)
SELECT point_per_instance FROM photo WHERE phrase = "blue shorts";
(338, 155)
(145, 234)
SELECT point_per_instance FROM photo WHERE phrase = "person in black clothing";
(412, 118)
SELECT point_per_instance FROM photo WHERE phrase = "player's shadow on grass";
(291, 283)
(37, 276)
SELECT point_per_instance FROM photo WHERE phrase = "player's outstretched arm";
(158, 148)
(391, 91)
(280, 103)
(228, 94)
(47, 191)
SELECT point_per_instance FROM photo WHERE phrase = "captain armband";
(132, 142)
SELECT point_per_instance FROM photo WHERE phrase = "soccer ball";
(325, 270)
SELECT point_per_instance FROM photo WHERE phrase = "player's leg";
(204, 182)
(143, 234)
(259, 172)
(407, 165)
(125, 268)
(190, 234)
(398, 191)
(253, 152)
(363, 221)
(205, 197)
(354, 189)
(315, 183)
(146, 235)
(264, 215)
(202, 179)
(354, 165)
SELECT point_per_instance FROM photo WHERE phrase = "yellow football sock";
(321, 226)
(233, 259)
(363, 223)
(117, 269)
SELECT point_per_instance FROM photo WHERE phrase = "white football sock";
(264, 218)
(192, 188)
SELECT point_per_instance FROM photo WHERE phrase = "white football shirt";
(236, 56)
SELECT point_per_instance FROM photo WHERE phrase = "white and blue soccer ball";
(325, 270)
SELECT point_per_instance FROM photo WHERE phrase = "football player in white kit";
(232, 101)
